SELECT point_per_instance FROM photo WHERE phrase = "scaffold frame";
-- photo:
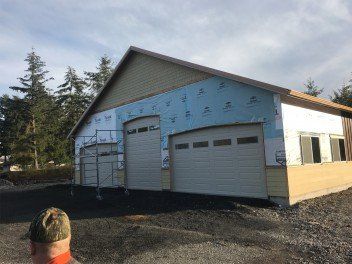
(81, 150)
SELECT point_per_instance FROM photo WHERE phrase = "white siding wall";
(104, 120)
(298, 120)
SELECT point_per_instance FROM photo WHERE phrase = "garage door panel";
(242, 164)
(143, 146)
(223, 153)
(224, 165)
(200, 154)
(246, 166)
(228, 169)
(200, 162)
(226, 158)
(250, 151)
(250, 176)
(151, 159)
(143, 155)
(250, 190)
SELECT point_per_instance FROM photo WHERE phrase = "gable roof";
(273, 88)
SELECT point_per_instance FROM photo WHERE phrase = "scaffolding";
(98, 160)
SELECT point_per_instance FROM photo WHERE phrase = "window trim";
(310, 135)
(131, 131)
(238, 139)
(319, 145)
(338, 137)
(301, 148)
(200, 142)
(222, 142)
(344, 148)
(145, 127)
(183, 146)
(154, 127)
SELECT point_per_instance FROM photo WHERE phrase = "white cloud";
(280, 42)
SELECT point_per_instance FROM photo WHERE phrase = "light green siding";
(165, 179)
(144, 76)
(277, 181)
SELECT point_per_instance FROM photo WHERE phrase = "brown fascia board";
(320, 101)
(273, 88)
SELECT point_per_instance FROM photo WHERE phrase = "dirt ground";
(162, 227)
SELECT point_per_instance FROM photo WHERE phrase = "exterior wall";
(165, 179)
(314, 180)
(214, 101)
(298, 120)
(102, 121)
(347, 132)
(107, 157)
(277, 181)
(121, 177)
(144, 76)
(77, 179)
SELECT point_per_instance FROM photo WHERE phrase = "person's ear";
(32, 248)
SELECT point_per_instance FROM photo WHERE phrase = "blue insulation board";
(214, 101)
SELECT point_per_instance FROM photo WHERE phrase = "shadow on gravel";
(21, 204)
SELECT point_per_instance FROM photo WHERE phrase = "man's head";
(49, 234)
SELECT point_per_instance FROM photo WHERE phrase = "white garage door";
(107, 165)
(143, 156)
(227, 160)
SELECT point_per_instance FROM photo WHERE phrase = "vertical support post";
(117, 161)
(112, 172)
(84, 173)
(123, 142)
(73, 149)
(97, 165)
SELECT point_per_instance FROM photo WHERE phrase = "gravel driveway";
(162, 227)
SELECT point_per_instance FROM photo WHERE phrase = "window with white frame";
(337, 148)
(310, 149)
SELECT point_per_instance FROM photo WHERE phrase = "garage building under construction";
(161, 123)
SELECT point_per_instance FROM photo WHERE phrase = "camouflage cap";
(49, 225)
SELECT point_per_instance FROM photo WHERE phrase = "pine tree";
(72, 99)
(39, 109)
(312, 88)
(5, 126)
(14, 116)
(344, 95)
(97, 79)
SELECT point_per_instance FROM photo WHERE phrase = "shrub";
(42, 175)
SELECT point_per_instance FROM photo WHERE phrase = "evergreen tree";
(344, 95)
(39, 106)
(13, 125)
(312, 88)
(97, 79)
(72, 97)
(73, 101)
(5, 126)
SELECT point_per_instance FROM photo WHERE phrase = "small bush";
(42, 175)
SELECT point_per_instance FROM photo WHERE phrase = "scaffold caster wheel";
(99, 197)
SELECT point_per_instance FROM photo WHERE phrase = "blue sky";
(279, 42)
